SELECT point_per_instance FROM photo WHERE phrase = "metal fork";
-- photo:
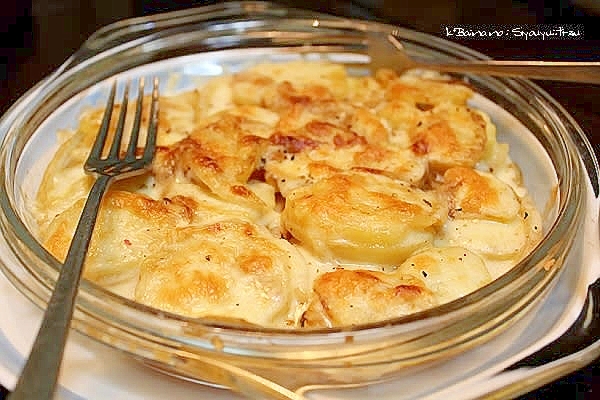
(571, 71)
(39, 376)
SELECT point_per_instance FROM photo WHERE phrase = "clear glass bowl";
(201, 42)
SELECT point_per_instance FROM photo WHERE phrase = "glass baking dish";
(207, 41)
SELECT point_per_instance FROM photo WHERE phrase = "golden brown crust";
(454, 136)
(128, 228)
(482, 209)
(478, 194)
(361, 217)
(292, 195)
(352, 297)
(221, 155)
(230, 268)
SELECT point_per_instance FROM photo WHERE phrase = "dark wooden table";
(36, 36)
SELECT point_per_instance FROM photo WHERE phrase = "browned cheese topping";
(293, 195)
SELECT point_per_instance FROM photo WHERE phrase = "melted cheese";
(129, 226)
(231, 268)
(482, 209)
(356, 297)
(449, 272)
(294, 195)
(361, 217)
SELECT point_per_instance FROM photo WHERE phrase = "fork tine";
(135, 130)
(117, 139)
(98, 146)
(152, 125)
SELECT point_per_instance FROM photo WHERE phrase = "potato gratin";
(294, 195)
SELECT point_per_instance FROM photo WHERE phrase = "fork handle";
(40, 374)
(582, 72)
